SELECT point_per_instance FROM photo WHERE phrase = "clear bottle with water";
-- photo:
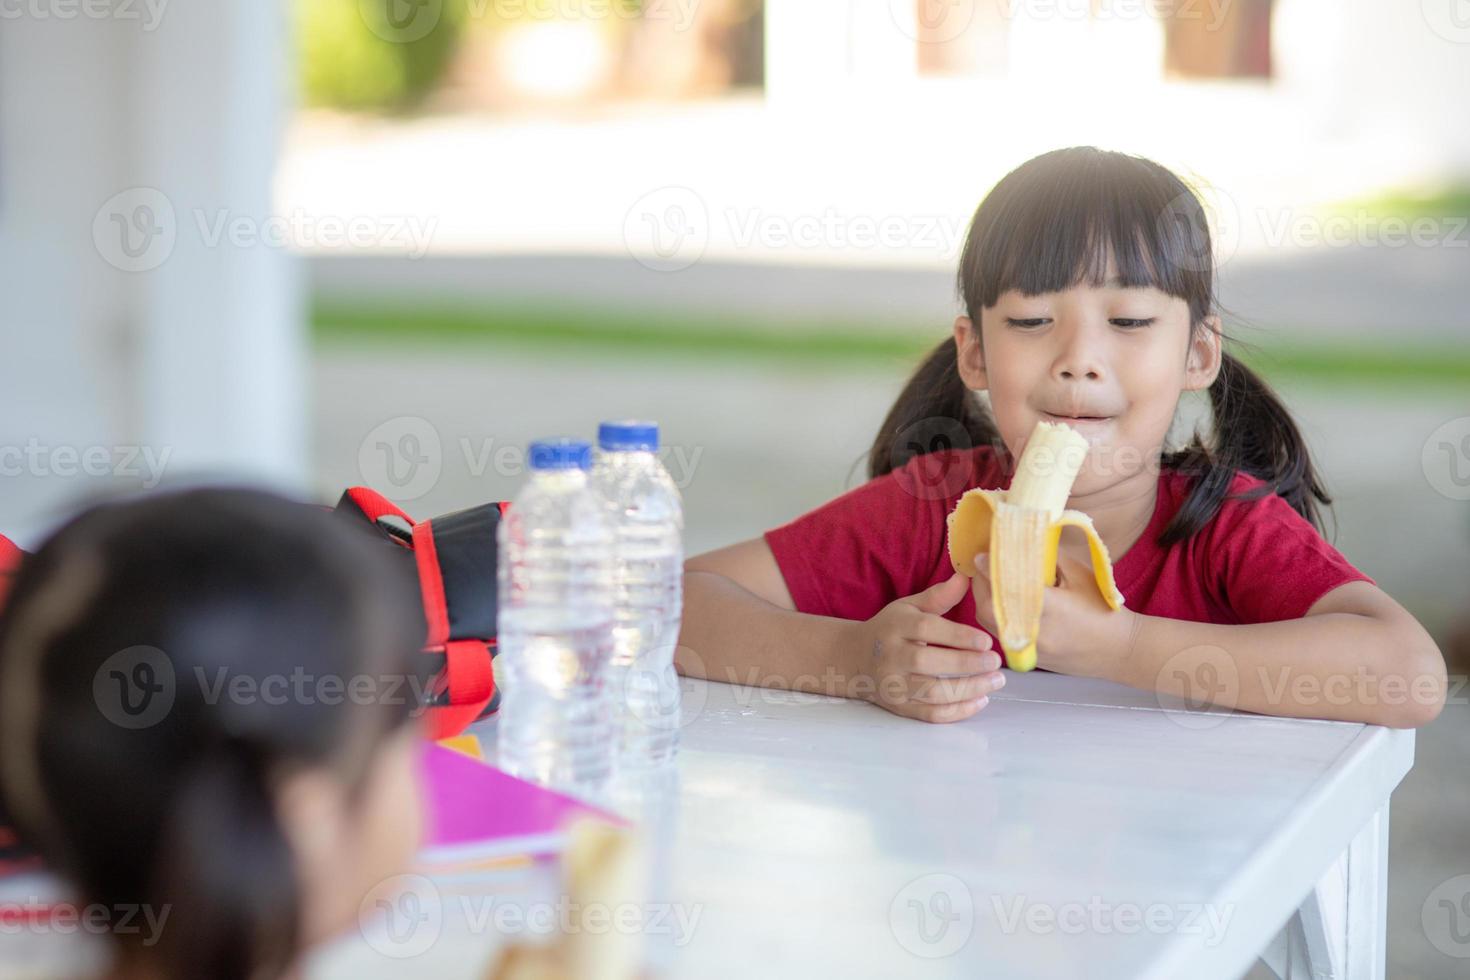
(648, 584)
(554, 623)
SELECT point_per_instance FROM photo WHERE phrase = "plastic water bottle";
(554, 626)
(648, 589)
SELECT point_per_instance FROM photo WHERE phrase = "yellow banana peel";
(1020, 529)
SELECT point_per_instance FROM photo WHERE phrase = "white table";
(1073, 828)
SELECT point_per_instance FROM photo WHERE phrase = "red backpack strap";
(372, 507)
(456, 557)
(10, 557)
(471, 688)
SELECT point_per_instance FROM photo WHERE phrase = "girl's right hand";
(925, 666)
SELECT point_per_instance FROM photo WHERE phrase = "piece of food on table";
(522, 962)
(602, 869)
(1019, 529)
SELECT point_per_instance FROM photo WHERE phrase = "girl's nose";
(1090, 373)
(1079, 359)
(1076, 363)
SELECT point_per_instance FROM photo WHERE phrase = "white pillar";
(223, 355)
(135, 117)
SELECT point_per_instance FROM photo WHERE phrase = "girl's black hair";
(1055, 221)
(170, 803)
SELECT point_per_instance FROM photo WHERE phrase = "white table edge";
(1309, 862)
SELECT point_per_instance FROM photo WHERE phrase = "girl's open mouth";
(1077, 419)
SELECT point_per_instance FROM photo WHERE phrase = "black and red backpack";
(455, 559)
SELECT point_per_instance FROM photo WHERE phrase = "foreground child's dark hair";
(171, 804)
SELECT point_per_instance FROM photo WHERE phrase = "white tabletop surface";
(1072, 828)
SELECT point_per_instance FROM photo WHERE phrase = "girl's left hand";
(1079, 633)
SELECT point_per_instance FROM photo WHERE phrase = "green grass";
(812, 343)
(1440, 202)
(1363, 365)
(629, 334)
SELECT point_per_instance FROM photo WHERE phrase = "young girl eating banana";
(1200, 573)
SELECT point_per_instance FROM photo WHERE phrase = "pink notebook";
(477, 811)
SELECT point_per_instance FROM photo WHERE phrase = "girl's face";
(350, 842)
(1109, 361)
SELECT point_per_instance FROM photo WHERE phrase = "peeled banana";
(1020, 528)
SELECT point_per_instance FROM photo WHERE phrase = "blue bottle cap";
(628, 436)
(560, 454)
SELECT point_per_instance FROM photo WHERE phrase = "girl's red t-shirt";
(1257, 561)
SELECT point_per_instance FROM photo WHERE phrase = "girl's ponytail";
(1253, 433)
(226, 877)
(935, 411)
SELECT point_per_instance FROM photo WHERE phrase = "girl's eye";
(1127, 323)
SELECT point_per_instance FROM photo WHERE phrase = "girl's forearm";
(731, 635)
(1338, 666)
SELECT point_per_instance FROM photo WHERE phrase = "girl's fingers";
(1071, 572)
(942, 632)
(948, 690)
(939, 598)
(938, 713)
(984, 607)
(938, 661)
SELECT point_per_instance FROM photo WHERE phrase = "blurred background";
(319, 243)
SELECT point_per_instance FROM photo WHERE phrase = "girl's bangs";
(1061, 223)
